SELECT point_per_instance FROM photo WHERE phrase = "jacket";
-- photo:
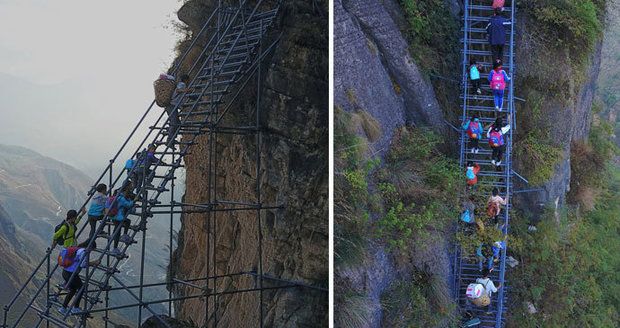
(496, 30)
(123, 205)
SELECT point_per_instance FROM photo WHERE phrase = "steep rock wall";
(293, 174)
(374, 72)
(569, 117)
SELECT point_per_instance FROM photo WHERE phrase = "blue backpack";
(470, 174)
(129, 164)
(467, 217)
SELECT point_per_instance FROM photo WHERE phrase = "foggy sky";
(76, 75)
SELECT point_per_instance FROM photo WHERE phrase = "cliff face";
(293, 174)
(374, 71)
(565, 110)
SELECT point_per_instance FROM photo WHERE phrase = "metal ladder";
(228, 59)
(475, 46)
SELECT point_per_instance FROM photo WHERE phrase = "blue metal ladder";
(475, 46)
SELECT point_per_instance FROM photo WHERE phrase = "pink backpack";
(498, 4)
(498, 82)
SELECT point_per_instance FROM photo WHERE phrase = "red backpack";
(496, 139)
(497, 81)
(472, 131)
(498, 4)
(66, 257)
(112, 206)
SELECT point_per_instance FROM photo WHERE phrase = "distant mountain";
(36, 190)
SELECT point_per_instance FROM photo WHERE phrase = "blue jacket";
(478, 131)
(97, 204)
(496, 30)
(123, 205)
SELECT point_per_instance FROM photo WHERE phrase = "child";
(494, 205)
(474, 75)
(497, 141)
(473, 128)
(173, 109)
(123, 204)
(498, 79)
(74, 286)
(145, 159)
(471, 173)
(65, 233)
(96, 210)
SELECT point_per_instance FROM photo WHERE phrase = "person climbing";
(471, 173)
(498, 79)
(123, 203)
(175, 102)
(496, 31)
(494, 205)
(74, 259)
(484, 252)
(145, 159)
(497, 248)
(473, 128)
(469, 211)
(489, 289)
(474, 75)
(495, 134)
(97, 207)
(64, 233)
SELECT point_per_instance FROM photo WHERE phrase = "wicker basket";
(163, 91)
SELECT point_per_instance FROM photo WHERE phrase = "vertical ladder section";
(477, 14)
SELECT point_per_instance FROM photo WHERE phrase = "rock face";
(571, 116)
(374, 72)
(294, 174)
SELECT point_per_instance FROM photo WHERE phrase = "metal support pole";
(48, 278)
(170, 277)
(143, 219)
(258, 183)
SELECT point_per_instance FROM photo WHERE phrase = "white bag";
(474, 291)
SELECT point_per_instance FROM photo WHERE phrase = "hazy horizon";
(73, 83)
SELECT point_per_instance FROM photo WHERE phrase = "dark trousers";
(92, 220)
(73, 287)
(117, 226)
(473, 143)
(173, 116)
(498, 152)
(475, 85)
(498, 52)
(138, 177)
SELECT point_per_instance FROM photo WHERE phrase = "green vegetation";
(541, 156)
(569, 269)
(432, 33)
(573, 24)
(403, 202)
(421, 302)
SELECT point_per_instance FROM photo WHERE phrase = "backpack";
(474, 291)
(471, 131)
(496, 139)
(61, 240)
(467, 217)
(492, 209)
(498, 4)
(497, 81)
(112, 206)
(66, 257)
(470, 173)
(129, 164)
